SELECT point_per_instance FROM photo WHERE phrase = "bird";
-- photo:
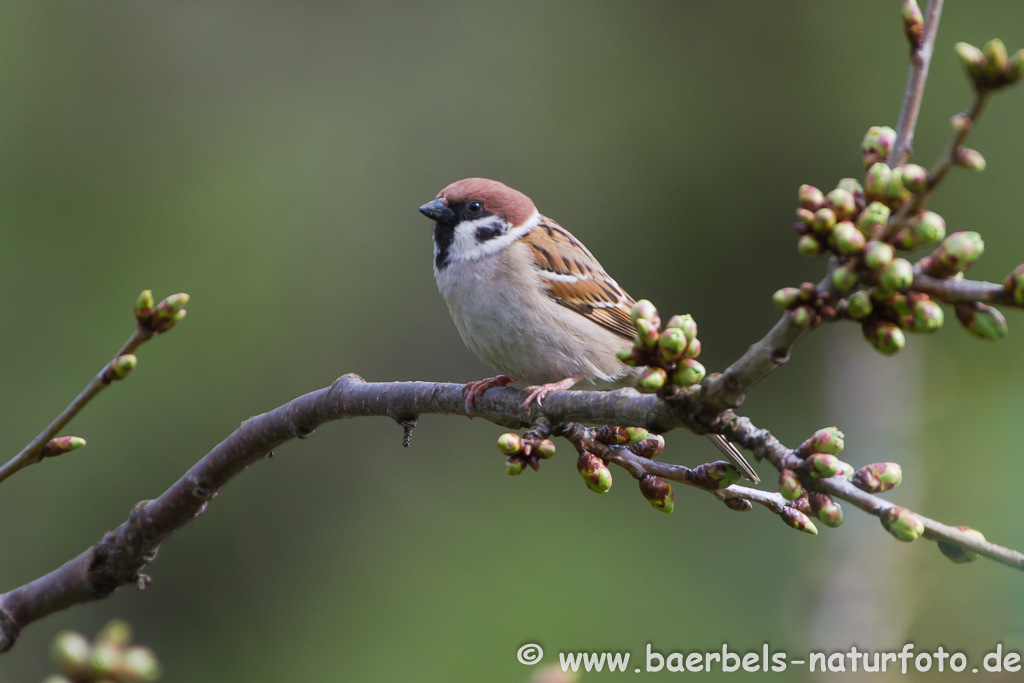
(529, 299)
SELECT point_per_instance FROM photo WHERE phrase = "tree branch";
(920, 59)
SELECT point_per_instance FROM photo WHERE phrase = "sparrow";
(528, 298)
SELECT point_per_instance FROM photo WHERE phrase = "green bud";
(810, 246)
(829, 440)
(971, 159)
(789, 485)
(60, 446)
(686, 323)
(57, 678)
(658, 493)
(928, 315)
(873, 219)
(981, 320)
(803, 316)
(106, 661)
(738, 504)
(613, 435)
(876, 180)
(825, 509)
(924, 228)
(848, 240)
(692, 349)
(914, 178)
(996, 59)
(859, 305)
(956, 254)
(787, 296)
(804, 216)
(169, 307)
(140, 664)
(885, 337)
(896, 193)
(632, 356)
(810, 198)
(646, 333)
(878, 477)
(897, 276)
(973, 59)
(594, 472)
(902, 523)
(117, 632)
(119, 368)
(877, 255)
(798, 520)
(913, 23)
(822, 465)
(853, 186)
(643, 310)
(845, 276)
(1014, 285)
(714, 476)
(845, 470)
(144, 306)
(672, 344)
(824, 221)
(636, 435)
(510, 443)
(72, 653)
(545, 448)
(514, 465)
(842, 202)
(651, 380)
(877, 144)
(1016, 67)
(957, 554)
(650, 447)
(688, 373)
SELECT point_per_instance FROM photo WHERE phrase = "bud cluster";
(109, 658)
(990, 67)
(818, 461)
(163, 316)
(806, 305)
(669, 355)
(524, 450)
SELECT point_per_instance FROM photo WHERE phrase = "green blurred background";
(268, 159)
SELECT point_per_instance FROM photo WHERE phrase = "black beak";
(437, 210)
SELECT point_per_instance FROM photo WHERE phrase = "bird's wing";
(574, 278)
(730, 451)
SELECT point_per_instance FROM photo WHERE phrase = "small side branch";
(920, 60)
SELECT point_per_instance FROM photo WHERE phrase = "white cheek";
(466, 247)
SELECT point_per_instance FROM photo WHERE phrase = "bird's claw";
(474, 389)
(537, 393)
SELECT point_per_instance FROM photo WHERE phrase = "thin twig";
(951, 290)
(920, 59)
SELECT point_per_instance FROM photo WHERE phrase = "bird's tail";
(734, 455)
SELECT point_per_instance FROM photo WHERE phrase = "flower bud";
(545, 448)
(924, 228)
(973, 59)
(644, 310)
(714, 476)
(167, 309)
(738, 504)
(845, 276)
(876, 180)
(897, 276)
(144, 306)
(914, 178)
(803, 316)
(646, 333)
(957, 554)
(685, 323)
(632, 356)
(886, 337)
(117, 632)
(60, 446)
(853, 186)
(658, 492)
(119, 368)
(828, 440)
(825, 509)
(72, 652)
(106, 661)
(510, 443)
(612, 435)
(1016, 67)
(514, 465)
(650, 447)
(651, 379)
(877, 255)
(671, 344)
(845, 470)
(822, 465)
(878, 477)
(594, 472)
(824, 221)
(971, 159)
(787, 296)
(981, 320)
(928, 315)
(636, 435)
(140, 664)
(806, 218)
(996, 59)
(1014, 285)
(873, 219)
(896, 193)
(913, 23)
(848, 240)
(810, 198)
(902, 523)
(956, 254)
(789, 485)
(57, 678)
(692, 349)
(798, 520)
(877, 144)
(859, 305)
(842, 203)
(810, 246)
(688, 373)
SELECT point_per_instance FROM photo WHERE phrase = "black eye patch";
(487, 232)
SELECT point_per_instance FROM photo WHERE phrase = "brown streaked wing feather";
(579, 282)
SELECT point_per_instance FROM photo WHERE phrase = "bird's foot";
(539, 392)
(474, 389)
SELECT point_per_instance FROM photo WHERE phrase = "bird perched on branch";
(528, 298)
